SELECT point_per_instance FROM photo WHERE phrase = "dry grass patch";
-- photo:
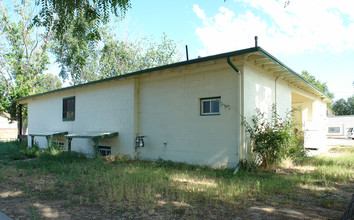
(150, 188)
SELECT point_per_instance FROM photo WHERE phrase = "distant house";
(188, 111)
(7, 130)
(337, 126)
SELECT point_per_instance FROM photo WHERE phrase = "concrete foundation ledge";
(4, 217)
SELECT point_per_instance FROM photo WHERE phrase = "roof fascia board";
(183, 63)
(275, 60)
(173, 65)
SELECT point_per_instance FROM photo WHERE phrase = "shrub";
(295, 149)
(274, 139)
(54, 149)
(248, 166)
(32, 152)
(17, 150)
(116, 158)
(64, 157)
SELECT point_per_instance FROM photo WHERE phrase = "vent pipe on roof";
(187, 52)
(256, 41)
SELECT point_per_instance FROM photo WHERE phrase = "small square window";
(104, 151)
(69, 109)
(210, 106)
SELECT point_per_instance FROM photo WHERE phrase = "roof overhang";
(255, 55)
(269, 63)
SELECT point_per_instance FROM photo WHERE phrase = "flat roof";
(258, 54)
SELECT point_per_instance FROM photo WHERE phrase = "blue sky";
(317, 35)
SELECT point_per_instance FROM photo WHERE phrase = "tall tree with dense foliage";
(322, 86)
(342, 107)
(75, 51)
(76, 27)
(23, 58)
(60, 16)
(84, 61)
(120, 57)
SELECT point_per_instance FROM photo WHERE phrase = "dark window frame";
(68, 115)
(210, 100)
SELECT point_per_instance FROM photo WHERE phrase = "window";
(210, 106)
(59, 144)
(333, 130)
(69, 109)
(104, 150)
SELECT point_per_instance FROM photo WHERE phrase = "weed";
(327, 202)
(95, 181)
(248, 166)
(34, 212)
(32, 152)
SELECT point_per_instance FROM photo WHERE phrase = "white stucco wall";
(102, 107)
(164, 106)
(7, 130)
(262, 89)
(4, 123)
(343, 123)
(312, 115)
(315, 125)
(170, 117)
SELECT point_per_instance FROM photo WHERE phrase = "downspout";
(241, 109)
(136, 115)
(275, 90)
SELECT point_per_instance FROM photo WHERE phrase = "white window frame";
(107, 149)
(210, 100)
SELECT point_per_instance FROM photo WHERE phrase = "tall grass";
(17, 150)
(149, 184)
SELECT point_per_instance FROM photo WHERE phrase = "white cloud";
(316, 25)
(199, 12)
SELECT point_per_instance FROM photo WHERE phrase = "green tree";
(120, 57)
(60, 16)
(322, 86)
(76, 27)
(84, 61)
(23, 57)
(75, 52)
(342, 107)
(48, 82)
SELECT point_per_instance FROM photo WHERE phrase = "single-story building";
(188, 111)
(8, 130)
(337, 126)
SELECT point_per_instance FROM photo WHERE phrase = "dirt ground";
(18, 206)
